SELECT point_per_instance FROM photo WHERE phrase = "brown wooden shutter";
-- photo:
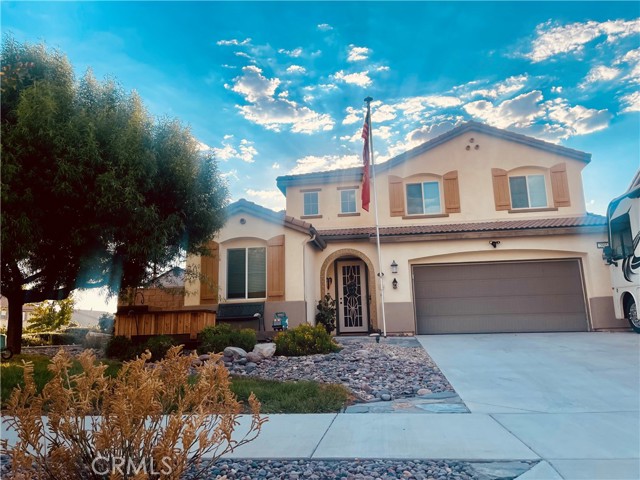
(501, 189)
(451, 192)
(209, 266)
(275, 269)
(560, 185)
(396, 196)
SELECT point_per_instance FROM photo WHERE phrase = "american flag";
(366, 193)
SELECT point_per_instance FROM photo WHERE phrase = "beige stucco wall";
(474, 177)
(407, 254)
(255, 232)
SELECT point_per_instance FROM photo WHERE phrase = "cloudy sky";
(277, 88)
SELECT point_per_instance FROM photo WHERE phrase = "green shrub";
(121, 348)
(305, 340)
(158, 346)
(216, 338)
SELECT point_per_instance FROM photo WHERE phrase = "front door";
(352, 309)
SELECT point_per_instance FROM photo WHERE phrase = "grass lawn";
(11, 372)
(292, 397)
(276, 397)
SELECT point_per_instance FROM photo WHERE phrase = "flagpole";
(375, 209)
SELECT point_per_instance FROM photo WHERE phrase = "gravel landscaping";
(360, 470)
(394, 368)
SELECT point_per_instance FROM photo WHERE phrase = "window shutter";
(396, 196)
(451, 192)
(501, 189)
(560, 185)
(275, 269)
(209, 266)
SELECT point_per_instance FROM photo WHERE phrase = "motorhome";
(623, 253)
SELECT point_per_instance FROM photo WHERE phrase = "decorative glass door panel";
(352, 305)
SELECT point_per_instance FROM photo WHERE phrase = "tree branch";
(36, 296)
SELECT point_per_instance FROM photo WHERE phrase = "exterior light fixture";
(394, 267)
(395, 283)
(494, 243)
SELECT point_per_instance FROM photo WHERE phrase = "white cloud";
(202, 147)
(553, 39)
(273, 114)
(557, 89)
(313, 163)
(381, 113)
(382, 68)
(253, 85)
(357, 54)
(243, 55)
(601, 73)
(324, 27)
(230, 175)
(296, 69)
(632, 59)
(296, 52)
(428, 132)
(631, 102)
(271, 111)
(243, 150)
(234, 42)
(505, 87)
(519, 111)
(414, 107)
(273, 199)
(577, 120)
(361, 78)
(275, 165)
(353, 116)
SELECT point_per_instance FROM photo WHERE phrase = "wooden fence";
(167, 322)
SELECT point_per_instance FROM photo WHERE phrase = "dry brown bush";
(155, 421)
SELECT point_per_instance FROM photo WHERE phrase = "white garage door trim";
(543, 295)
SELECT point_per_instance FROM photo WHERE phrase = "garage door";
(500, 297)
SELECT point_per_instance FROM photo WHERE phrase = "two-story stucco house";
(486, 229)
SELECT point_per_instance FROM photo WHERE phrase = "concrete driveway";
(572, 398)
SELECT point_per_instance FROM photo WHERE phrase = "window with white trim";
(528, 191)
(247, 273)
(310, 203)
(423, 198)
(348, 201)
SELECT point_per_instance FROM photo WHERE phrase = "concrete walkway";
(571, 401)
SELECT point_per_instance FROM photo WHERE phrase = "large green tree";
(95, 192)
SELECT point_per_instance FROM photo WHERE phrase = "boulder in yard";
(235, 352)
(265, 349)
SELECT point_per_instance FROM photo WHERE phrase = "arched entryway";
(348, 275)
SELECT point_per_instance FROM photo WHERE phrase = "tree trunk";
(14, 328)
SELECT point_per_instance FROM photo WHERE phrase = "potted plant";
(326, 315)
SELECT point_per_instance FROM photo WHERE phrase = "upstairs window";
(347, 201)
(423, 198)
(247, 273)
(310, 203)
(528, 191)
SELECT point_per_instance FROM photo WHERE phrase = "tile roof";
(279, 218)
(588, 220)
